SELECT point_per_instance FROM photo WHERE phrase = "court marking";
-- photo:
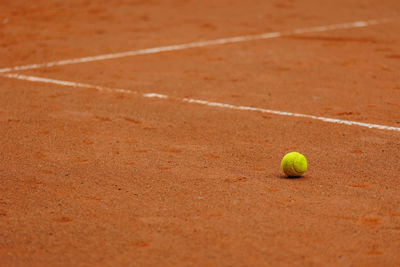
(237, 39)
(198, 101)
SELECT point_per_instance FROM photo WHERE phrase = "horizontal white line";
(201, 102)
(283, 113)
(237, 39)
(153, 95)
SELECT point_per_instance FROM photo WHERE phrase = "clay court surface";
(172, 158)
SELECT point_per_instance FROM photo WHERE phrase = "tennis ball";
(294, 164)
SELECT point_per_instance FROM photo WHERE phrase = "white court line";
(201, 102)
(237, 39)
(67, 83)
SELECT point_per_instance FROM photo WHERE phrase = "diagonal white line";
(201, 102)
(237, 39)
(67, 83)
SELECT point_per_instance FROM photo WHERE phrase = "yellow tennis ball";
(294, 164)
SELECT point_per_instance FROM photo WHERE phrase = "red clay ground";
(92, 178)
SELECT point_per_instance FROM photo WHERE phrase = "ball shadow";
(292, 178)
